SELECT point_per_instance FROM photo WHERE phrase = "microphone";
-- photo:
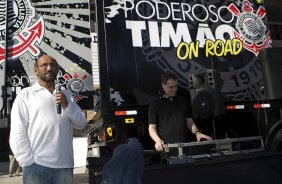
(58, 103)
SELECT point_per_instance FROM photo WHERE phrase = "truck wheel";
(274, 139)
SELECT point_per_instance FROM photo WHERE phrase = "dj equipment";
(206, 99)
(180, 153)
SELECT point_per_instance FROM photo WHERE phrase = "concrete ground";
(80, 177)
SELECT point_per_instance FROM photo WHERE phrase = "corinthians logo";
(252, 31)
(22, 34)
(76, 85)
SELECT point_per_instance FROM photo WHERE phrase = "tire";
(274, 139)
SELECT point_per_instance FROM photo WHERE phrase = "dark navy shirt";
(126, 165)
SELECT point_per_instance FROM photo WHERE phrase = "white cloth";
(38, 133)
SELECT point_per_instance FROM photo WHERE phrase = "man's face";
(170, 88)
(47, 69)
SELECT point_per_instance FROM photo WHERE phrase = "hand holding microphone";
(61, 99)
(58, 98)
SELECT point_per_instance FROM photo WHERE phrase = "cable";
(175, 119)
(213, 125)
(262, 96)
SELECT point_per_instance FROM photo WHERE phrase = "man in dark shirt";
(170, 116)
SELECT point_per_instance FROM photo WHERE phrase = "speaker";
(271, 61)
(206, 99)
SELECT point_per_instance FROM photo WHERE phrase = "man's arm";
(154, 135)
(73, 111)
(195, 130)
(19, 141)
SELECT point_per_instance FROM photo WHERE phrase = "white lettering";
(182, 34)
(206, 12)
(212, 12)
(186, 11)
(158, 7)
(154, 34)
(222, 31)
(173, 10)
(125, 8)
(204, 32)
(178, 11)
(143, 16)
(219, 14)
(136, 27)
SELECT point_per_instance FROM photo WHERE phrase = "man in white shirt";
(40, 138)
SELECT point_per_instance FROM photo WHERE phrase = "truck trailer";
(221, 52)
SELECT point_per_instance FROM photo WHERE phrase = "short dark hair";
(168, 75)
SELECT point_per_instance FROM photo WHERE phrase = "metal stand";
(213, 125)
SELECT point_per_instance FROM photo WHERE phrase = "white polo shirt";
(38, 134)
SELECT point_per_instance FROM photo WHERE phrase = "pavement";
(80, 175)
